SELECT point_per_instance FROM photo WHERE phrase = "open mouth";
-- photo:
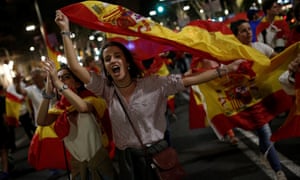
(115, 69)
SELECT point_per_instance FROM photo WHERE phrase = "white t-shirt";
(263, 48)
(35, 96)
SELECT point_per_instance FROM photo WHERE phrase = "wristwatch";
(63, 87)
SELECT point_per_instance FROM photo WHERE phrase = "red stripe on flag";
(13, 98)
(47, 153)
(256, 115)
(197, 113)
(291, 126)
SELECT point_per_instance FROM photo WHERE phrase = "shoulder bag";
(165, 163)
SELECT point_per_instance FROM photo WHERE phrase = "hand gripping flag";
(192, 39)
(237, 101)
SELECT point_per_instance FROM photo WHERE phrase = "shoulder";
(262, 47)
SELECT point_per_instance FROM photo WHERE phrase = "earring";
(128, 67)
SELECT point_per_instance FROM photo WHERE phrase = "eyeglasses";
(65, 77)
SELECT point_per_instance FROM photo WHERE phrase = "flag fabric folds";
(237, 101)
(192, 39)
(13, 104)
(47, 151)
(197, 109)
(291, 126)
(229, 101)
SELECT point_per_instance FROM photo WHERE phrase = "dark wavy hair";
(134, 71)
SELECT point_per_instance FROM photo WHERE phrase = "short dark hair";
(66, 67)
(134, 71)
(234, 26)
(267, 4)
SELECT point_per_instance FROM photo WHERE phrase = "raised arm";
(63, 23)
(43, 118)
(198, 78)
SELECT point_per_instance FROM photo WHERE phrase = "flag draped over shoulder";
(278, 22)
(237, 101)
(47, 151)
(13, 104)
(192, 39)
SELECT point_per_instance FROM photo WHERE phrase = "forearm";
(79, 104)
(205, 76)
(71, 57)
(20, 90)
(43, 119)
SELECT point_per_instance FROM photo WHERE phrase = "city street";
(202, 155)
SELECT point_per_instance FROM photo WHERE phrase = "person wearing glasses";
(77, 121)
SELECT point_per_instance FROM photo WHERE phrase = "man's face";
(275, 9)
(244, 34)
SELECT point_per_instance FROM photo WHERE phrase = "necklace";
(127, 85)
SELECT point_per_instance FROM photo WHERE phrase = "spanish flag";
(12, 105)
(239, 101)
(47, 151)
(191, 39)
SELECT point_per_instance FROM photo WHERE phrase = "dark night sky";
(15, 14)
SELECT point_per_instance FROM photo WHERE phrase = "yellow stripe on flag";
(117, 19)
(235, 95)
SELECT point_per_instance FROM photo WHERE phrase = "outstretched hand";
(62, 21)
(234, 66)
(294, 65)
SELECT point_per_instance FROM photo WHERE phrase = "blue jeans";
(264, 134)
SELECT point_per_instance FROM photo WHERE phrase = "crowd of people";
(75, 98)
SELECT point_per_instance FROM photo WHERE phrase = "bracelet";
(219, 72)
(66, 33)
(221, 68)
(47, 96)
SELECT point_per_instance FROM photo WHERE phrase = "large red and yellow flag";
(192, 39)
(248, 103)
(12, 105)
